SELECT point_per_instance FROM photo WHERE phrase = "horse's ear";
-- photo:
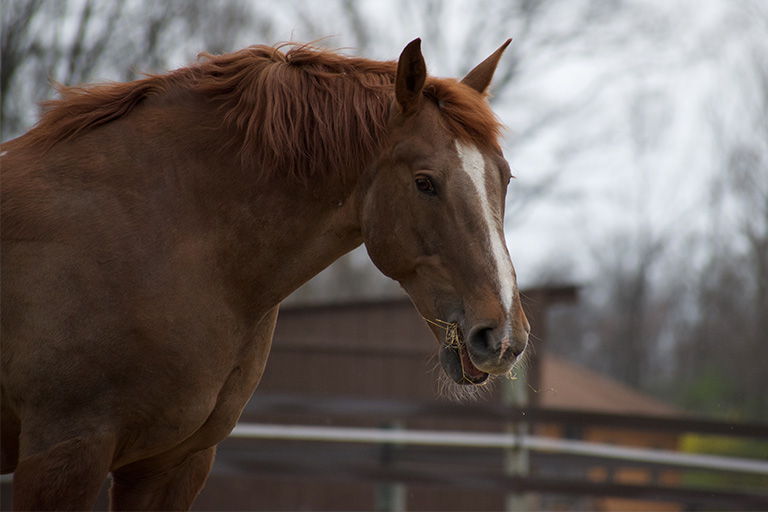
(480, 78)
(410, 78)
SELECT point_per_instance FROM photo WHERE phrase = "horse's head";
(433, 220)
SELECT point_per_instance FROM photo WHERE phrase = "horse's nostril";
(481, 341)
(488, 341)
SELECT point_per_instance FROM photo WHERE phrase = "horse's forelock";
(468, 114)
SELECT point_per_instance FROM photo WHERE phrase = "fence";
(322, 439)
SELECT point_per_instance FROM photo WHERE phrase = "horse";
(150, 230)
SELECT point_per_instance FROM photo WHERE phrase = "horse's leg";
(175, 489)
(66, 476)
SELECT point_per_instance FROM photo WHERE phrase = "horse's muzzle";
(485, 351)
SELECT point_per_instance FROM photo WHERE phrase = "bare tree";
(76, 42)
(732, 326)
(16, 45)
(722, 348)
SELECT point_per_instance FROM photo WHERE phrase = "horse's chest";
(232, 393)
(207, 410)
(232, 397)
(192, 421)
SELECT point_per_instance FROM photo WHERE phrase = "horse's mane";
(301, 111)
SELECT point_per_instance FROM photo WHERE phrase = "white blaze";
(473, 164)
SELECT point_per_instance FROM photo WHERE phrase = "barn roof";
(569, 385)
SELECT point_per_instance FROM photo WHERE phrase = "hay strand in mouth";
(454, 338)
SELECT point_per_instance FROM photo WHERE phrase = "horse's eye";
(425, 185)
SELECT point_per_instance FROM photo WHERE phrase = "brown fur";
(302, 111)
(50, 475)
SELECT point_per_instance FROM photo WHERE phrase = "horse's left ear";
(480, 78)
(410, 78)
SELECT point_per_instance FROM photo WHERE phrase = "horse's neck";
(267, 234)
(299, 234)
(276, 233)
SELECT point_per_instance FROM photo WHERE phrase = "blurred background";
(638, 135)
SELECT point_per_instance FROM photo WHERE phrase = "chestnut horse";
(151, 229)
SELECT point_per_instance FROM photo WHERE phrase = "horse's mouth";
(454, 355)
(457, 364)
(470, 374)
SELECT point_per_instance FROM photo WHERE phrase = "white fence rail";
(496, 440)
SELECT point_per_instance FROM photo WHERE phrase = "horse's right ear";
(480, 77)
(410, 78)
